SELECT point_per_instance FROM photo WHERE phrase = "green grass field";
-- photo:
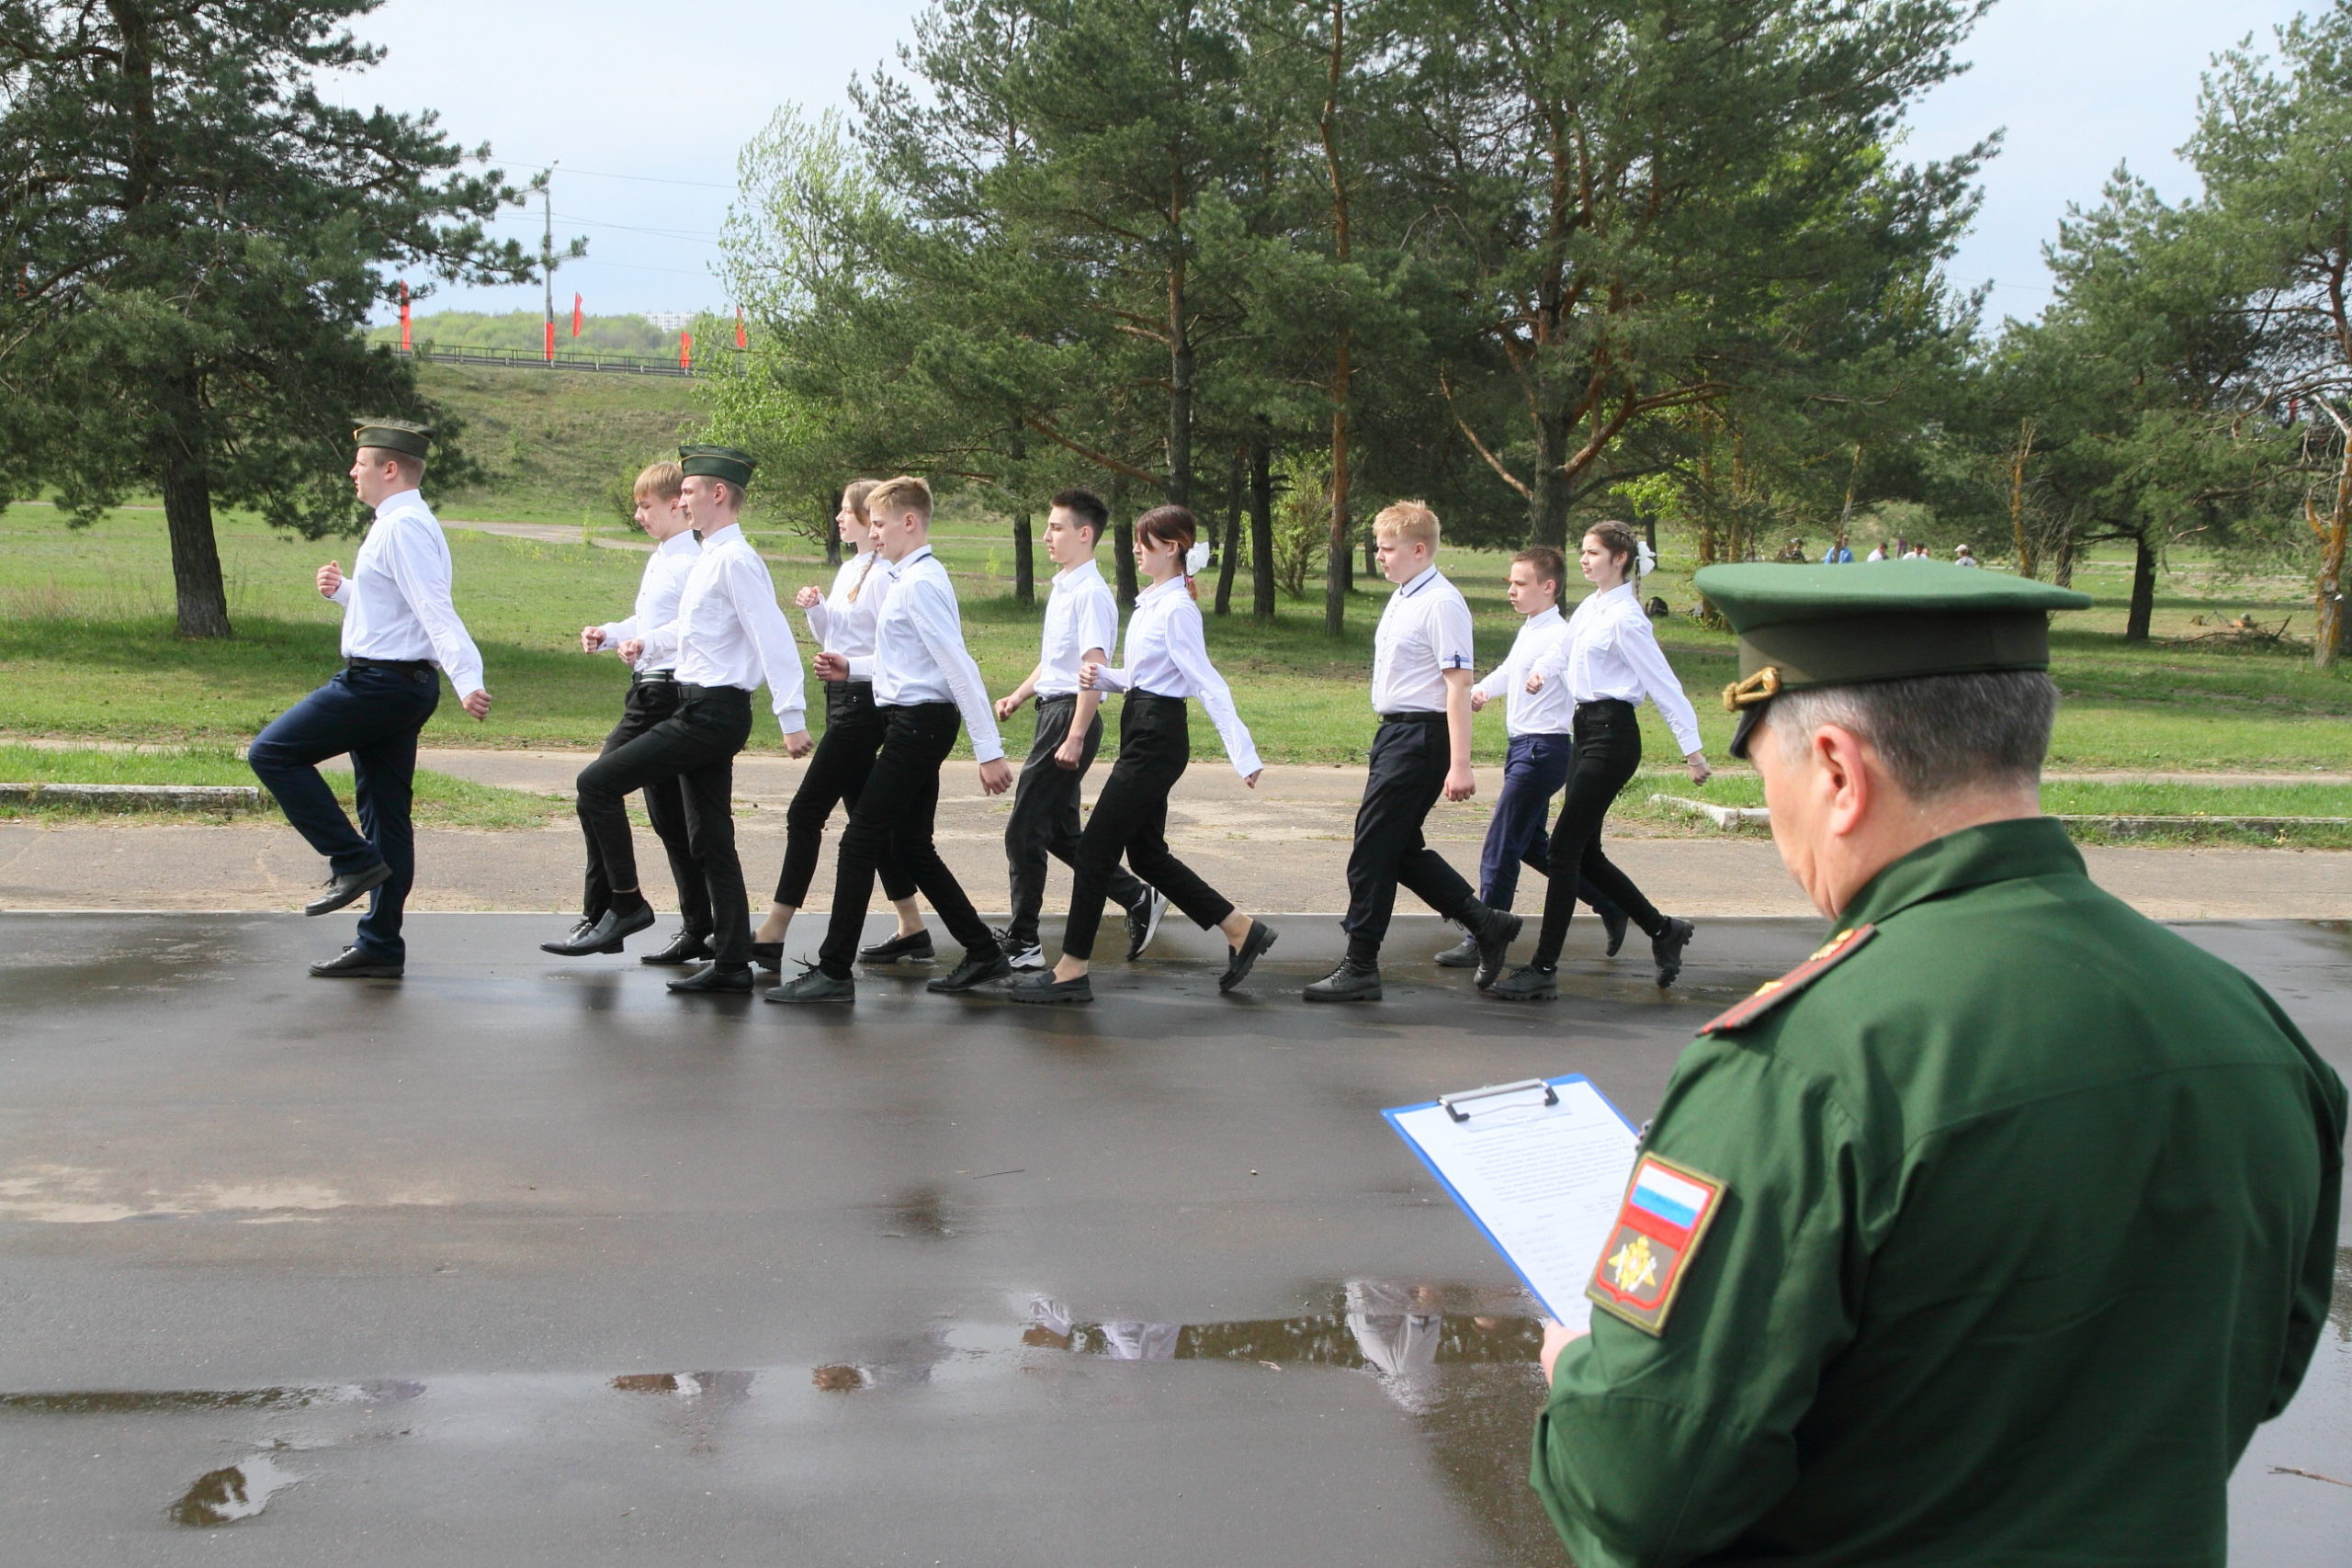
(441, 801)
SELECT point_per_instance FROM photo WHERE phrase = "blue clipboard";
(1460, 1108)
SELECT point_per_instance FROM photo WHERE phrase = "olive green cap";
(1801, 628)
(393, 436)
(719, 463)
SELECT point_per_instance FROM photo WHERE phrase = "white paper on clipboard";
(1542, 1180)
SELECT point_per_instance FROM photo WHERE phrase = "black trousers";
(1609, 750)
(1409, 758)
(1044, 819)
(837, 771)
(647, 704)
(1131, 818)
(696, 746)
(896, 809)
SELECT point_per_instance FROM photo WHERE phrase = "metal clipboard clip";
(1454, 1104)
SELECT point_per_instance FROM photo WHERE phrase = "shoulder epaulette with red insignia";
(1772, 993)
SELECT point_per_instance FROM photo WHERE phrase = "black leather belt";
(351, 661)
(688, 689)
(1418, 715)
(653, 677)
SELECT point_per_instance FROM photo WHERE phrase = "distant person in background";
(1901, 550)
(1878, 552)
(1963, 556)
(653, 696)
(399, 633)
(1838, 554)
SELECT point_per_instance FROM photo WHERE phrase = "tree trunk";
(2327, 605)
(1227, 562)
(1340, 556)
(1261, 531)
(2143, 588)
(1024, 564)
(2028, 564)
(1180, 390)
(828, 509)
(1547, 490)
(196, 556)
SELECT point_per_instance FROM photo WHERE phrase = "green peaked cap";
(719, 463)
(393, 436)
(1800, 627)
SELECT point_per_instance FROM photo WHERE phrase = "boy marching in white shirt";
(1081, 628)
(923, 681)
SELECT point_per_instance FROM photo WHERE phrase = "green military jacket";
(2027, 1216)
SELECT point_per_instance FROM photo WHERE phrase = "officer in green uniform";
(1988, 1234)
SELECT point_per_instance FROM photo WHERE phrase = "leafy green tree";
(197, 241)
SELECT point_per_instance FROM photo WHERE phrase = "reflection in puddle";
(121, 1403)
(224, 1496)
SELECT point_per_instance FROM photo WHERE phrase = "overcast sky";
(646, 104)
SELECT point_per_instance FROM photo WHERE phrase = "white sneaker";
(1143, 922)
(1028, 961)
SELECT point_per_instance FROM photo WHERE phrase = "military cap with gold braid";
(393, 436)
(718, 463)
(1801, 628)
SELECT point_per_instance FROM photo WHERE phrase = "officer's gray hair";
(1938, 733)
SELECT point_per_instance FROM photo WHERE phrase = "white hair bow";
(1646, 557)
(1196, 557)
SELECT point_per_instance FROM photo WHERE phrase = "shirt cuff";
(792, 720)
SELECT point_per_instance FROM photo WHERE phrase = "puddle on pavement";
(238, 1492)
(116, 1402)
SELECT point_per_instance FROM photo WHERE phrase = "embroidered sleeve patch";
(1772, 993)
(1668, 1209)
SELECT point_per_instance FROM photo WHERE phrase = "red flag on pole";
(550, 349)
(575, 315)
(740, 341)
(405, 345)
(686, 349)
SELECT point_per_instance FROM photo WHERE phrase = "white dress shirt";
(395, 598)
(657, 596)
(730, 631)
(843, 621)
(1168, 657)
(1424, 632)
(1548, 712)
(919, 654)
(1079, 614)
(1612, 651)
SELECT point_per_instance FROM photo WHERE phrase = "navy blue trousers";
(1535, 769)
(373, 713)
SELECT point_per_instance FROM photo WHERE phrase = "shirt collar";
(1076, 576)
(1161, 590)
(1994, 851)
(1548, 616)
(1406, 589)
(907, 562)
(681, 543)
(408, 498)
(721, 536)
(1618, 594)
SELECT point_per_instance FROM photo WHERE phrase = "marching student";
(842, 623)
(652, 698)
(729, 637)
(1081, 628)
(399, 633)
(1421, 688)
(1168, 663)
(923, 679)
(1541, 748)
(1608, 661)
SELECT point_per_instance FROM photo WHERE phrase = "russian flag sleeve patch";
(1666, 1215)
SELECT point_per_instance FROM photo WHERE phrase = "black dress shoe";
(1240, 960)
(716, 978)
(569, 944)
(353, 965)
(1348, 982)
(767, 955)
(1667, 947)
(914, 949)
(607, 934)
(1463, 954)
(686, 947)
(813, 985)
(346, 886)
(1528, 983)
(1614, 922)
(1042, 989)
(1496, 933)
(977, 969)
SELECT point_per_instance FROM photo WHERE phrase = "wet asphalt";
(524, 1261)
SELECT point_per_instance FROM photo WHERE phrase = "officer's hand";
(797, 744)
(476, 703)
(1478, 700)
(1461, 784)
(1535, 682)
(591, 638)
(1700, 772)
(832, 667)
(996, 777)
(809, 598)
(1558, 1336)
(632, 650)
(330, 580)
(1067, 754)
(1007, 706)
